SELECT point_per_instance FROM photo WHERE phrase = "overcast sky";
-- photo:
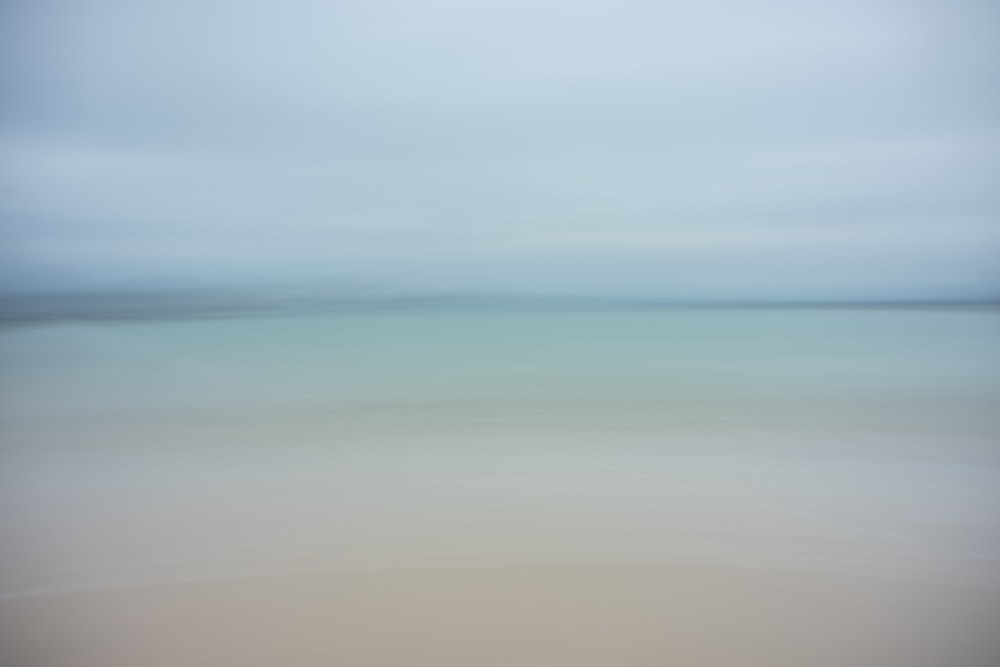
(706, 148)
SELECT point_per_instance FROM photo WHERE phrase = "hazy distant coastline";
(243, 303)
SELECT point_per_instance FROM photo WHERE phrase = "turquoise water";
(634, 361)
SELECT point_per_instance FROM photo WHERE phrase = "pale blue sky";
(710, 148)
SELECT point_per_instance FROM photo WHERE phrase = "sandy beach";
(554, 616)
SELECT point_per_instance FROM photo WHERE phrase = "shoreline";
(559, 616)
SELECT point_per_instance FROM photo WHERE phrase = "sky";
(700, 149)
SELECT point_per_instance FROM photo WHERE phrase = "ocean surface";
(859, 442)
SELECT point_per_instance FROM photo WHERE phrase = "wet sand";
(428, 555)
(552, 616)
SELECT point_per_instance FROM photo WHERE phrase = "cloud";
(547, 145)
